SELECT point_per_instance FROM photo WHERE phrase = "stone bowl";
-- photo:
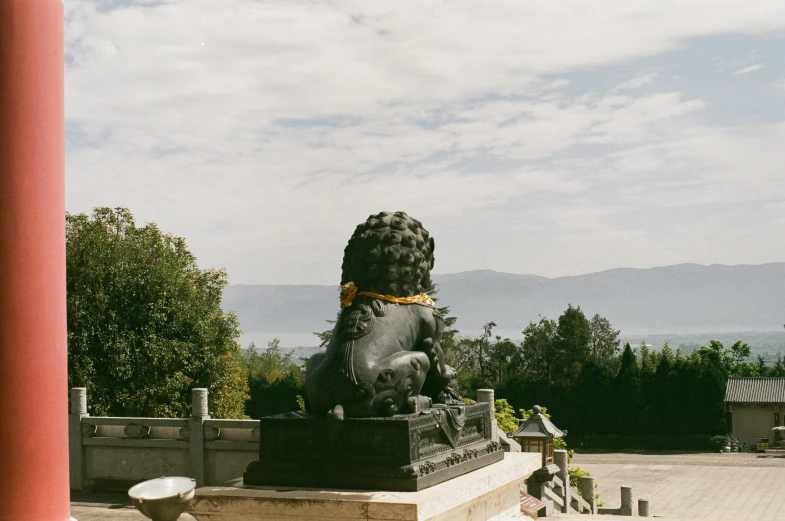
(163, 499)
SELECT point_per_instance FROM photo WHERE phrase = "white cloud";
(746, 64)
(264, 131)
(638, 81)
(749, 69)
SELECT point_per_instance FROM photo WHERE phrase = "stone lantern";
(536, 434)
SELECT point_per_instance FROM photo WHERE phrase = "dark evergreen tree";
(662, 393)
(572, 345)
(628, 393)
(590, 400)
(779, 367)
(538, 352)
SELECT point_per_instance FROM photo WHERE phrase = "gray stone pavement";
(679, 487)
(583, 517)
(717, 487)
(107, 507)
(733, 459)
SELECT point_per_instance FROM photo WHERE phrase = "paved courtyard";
(718, 487)
(107, 507)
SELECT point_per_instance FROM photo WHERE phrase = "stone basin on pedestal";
(164, 498)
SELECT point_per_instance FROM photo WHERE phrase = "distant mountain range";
(684, 298)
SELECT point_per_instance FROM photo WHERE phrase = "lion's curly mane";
(390, 253)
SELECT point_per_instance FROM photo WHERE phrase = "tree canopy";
(145, 324)
(576, 366)
(276, 382)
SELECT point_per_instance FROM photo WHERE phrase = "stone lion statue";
(384, 356)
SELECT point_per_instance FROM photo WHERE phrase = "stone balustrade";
(115, 452)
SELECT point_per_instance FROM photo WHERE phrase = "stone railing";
(115, 453)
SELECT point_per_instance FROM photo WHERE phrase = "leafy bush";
(576, 473)
(505, 416)
(276, 382)
(718, 442)
(525, 413)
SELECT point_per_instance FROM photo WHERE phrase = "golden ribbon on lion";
(349, 291)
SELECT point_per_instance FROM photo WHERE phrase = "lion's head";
(390, 253)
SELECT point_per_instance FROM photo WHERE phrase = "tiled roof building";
(755, 406)
(755, 390)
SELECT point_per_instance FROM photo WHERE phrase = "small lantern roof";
(537, 426)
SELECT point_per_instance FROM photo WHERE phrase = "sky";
(542, 137)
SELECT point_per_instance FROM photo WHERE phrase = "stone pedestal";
(405, 453)
(490, 493)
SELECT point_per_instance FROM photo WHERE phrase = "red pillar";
(33, 364)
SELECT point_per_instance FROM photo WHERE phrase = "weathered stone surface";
(508, 444)
(222, 466)
(406, 452)
(384, 356)
(626, 501)
(490, 493)
(120, 467)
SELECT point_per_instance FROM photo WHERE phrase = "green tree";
(648, 368)
(275, 380)
(502, 360)
(604, 342)
(628, 392)
(538, 352)
(572, 345)
(483, 346)
(145, 324)
(270, 364)
(732, 360)
(779, 367)
(762, 370)
(462, 357)
(469, 357)
(588, 401)
(649, 358)
(666, 399)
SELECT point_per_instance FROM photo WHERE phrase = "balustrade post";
(199, 413)
(488, 396)
(643, 508)
(626, 501)
(560, 458)
(588, 492)
(75, 446)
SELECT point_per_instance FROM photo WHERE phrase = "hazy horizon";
(436, 273)
(678, 301)
(295, 340)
